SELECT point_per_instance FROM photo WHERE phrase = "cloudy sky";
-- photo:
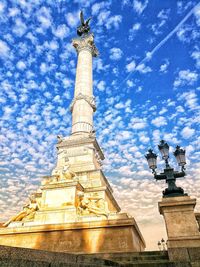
(146, 83)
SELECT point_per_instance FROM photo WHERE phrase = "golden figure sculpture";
(95, 205)
(27, 213)
(58, 175)
(67, 174)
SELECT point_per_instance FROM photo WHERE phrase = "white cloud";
(61, 31)
(44, 17)
(104, 18)
(180, 109)
(84, 3)
(113, 22)
(2, 7)
(182, 34)
(136, 27)
(72, 19)
(101, 86)
(159, 121)
(13, 12)
(139, 89)
(190, 100)
(43, 68)
(185, 77)
(142, 68)
(143, 137)
(138, 123)
(131, 66)
(163, 67)
(99, 66)
(183, 6)
(67, 83)
(98, 6)
(119, 105)
(130, 83)
(187, 132)
(197, 14)
(163, 14)
(139, 6)
(187, 33)
(21, 65)
(20, 27)
(163, 110)
(196, 56)
(53, 45)
(4, 49)
(149, 55)
(115, 53)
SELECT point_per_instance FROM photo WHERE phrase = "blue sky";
(146, 83)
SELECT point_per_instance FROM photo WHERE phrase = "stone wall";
(23, 257)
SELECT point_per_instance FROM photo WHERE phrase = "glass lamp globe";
(179, 154)
(151, 159)
(164, 149)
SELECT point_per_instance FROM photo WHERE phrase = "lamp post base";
(174, 192)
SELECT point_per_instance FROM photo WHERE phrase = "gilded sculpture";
(28, 212)
(67, 174)
(92, 205)
(59, 175)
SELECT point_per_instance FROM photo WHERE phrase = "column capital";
(85, 43)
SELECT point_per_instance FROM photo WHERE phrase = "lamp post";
(159, 245)
(169, 173)
(162, 245)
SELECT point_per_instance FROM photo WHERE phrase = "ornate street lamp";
(159, 245)
(179, 154)
(162, 245)
(169, 173)
(151, 159)
(164, 149)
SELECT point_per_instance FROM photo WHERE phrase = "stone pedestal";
(181, 225)
(118, 233)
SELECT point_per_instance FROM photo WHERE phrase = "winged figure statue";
(84, 28)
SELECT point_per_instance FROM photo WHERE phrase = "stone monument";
(74, 209)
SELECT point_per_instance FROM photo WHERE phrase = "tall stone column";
(83, 104)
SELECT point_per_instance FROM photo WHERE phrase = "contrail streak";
(152, 52)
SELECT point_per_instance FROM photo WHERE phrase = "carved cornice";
(89, 99)
(74, 141)
(85, 43)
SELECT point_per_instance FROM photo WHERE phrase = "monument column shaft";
(83, 82)
(82, 115)
(83, 104)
